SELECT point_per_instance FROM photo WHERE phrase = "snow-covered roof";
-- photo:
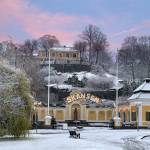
(142, 92)
(61, 86)
(104, 103)
(64, 49)
(144, 87)
(140, 95)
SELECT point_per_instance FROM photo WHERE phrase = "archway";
(75, 112)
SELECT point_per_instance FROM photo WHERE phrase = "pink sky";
(26, 20)
(37, 23)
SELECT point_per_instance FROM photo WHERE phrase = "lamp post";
(117, 88)
(48, 117)
(48, 81)
(117, 118)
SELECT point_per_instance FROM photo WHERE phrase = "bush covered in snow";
(15, 101)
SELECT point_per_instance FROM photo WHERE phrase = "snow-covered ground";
(91, 139)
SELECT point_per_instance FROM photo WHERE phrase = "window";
(59, 115)
(109, 115)
(60, 55)
(133, 116)
(67, 55)
(128, 115)
(74, 55)
(101, 115)
(124, 117)
(147, 116)
(92, 115)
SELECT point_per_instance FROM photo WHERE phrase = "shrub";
(15, 103)
(18, 126)
(3, 130)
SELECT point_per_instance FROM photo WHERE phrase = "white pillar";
(130, 114)
(140, 115)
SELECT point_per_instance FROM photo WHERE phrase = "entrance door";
(75, 112)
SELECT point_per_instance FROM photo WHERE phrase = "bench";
(74, 134)
(79, 127)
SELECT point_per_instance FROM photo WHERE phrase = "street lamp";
(48, 117)
(117, 118)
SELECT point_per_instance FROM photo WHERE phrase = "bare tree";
(134, 56)
(81, 47)
(144, 52)
(48, 41)
(29, 46)
(88, 35)
(128, 56)
(96, 43)
(100, 44)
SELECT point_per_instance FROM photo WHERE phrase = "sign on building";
(82, 97)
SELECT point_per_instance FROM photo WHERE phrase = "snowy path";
(91, 139)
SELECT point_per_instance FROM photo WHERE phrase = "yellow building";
(80, 107)
(137, 108)
(58, 55)
(86, 107)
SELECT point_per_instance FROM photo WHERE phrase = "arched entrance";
(75, 112)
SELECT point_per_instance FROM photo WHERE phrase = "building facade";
(86, 107)
(80, 107)
(59, 55)
(137, 108)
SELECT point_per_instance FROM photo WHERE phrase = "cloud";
(37, 23)
(32, 22)
(135, 29)
(140, 29)
(3, 37)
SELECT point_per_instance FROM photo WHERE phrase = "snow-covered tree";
(15, 101)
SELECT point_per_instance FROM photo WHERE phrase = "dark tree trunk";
(132, 70)
(96, 59)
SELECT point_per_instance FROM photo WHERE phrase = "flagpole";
(117, 87)
(48, 82)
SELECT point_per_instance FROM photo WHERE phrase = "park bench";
(80, 127)
(74, 134)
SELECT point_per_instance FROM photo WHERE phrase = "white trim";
(140, 115)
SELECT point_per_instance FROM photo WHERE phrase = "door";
(75, 112)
